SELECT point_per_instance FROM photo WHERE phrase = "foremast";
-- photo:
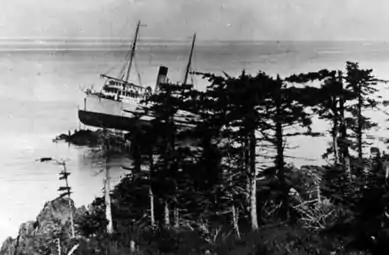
(190, 60)
(125, 76)
(132, 52)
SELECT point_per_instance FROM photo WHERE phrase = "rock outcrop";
(81, 137)
(9, 246)
(41, 236)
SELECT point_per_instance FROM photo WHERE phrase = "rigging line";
(109, 70)
(137, 71)
(127, 58)
(194, 64)
(122, 42)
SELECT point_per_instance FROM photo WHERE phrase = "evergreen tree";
(169, 145)
(234, 103)
(364, 85)
(286, 110)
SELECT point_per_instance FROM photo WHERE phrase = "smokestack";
(161, 78)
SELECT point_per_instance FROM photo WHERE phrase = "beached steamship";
(115, 106)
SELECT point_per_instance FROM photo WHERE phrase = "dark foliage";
(199, 160)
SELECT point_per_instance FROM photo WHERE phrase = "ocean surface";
(40, 90)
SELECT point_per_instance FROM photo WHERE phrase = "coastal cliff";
(40, 236)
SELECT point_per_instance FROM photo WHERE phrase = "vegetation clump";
(221, 183)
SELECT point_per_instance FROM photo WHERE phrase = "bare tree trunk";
(360, 123)
(69, 202)
(253, 184)
(59, 246)
(167, 214)
(74, 248)
(335, 130)
(107, 189)
(279, 161)
(347, 165)
(71, 219)
(176, 217)
(235, 219)
(152, 216)
(345, 156)
(151, 193)
(253, 205)
(108, 209)
(318, 192)
(246, 167)
(248, 192)
(335, 148)
(132, 246)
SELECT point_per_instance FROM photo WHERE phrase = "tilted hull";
(102, 120)
(106, 113)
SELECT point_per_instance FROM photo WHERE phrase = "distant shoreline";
(148, 40)
(177, 39)
(115, 45)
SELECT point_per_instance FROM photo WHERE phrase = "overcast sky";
(211, 19)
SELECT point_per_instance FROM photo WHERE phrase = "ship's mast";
(132, 52)
(190, 60)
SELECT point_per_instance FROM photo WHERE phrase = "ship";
(118, 103)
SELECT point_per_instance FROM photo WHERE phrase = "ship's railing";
(126, 90)
(123, 84)
(119, 82)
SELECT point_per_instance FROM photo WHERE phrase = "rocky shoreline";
(40, 236)
(117, 141)
(82, 137)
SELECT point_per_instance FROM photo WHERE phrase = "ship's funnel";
(161, 78)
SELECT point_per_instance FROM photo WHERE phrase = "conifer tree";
(286, 110)
(234, 103)
(169, 124)
(364, 85)
(65, 190)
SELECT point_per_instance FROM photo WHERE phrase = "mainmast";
(132, 52)
(190, 60)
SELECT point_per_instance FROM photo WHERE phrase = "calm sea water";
(40, 93)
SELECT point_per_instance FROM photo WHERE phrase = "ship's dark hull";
(107, 113)
(102, 120)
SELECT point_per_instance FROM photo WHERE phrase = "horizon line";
(181, 39)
